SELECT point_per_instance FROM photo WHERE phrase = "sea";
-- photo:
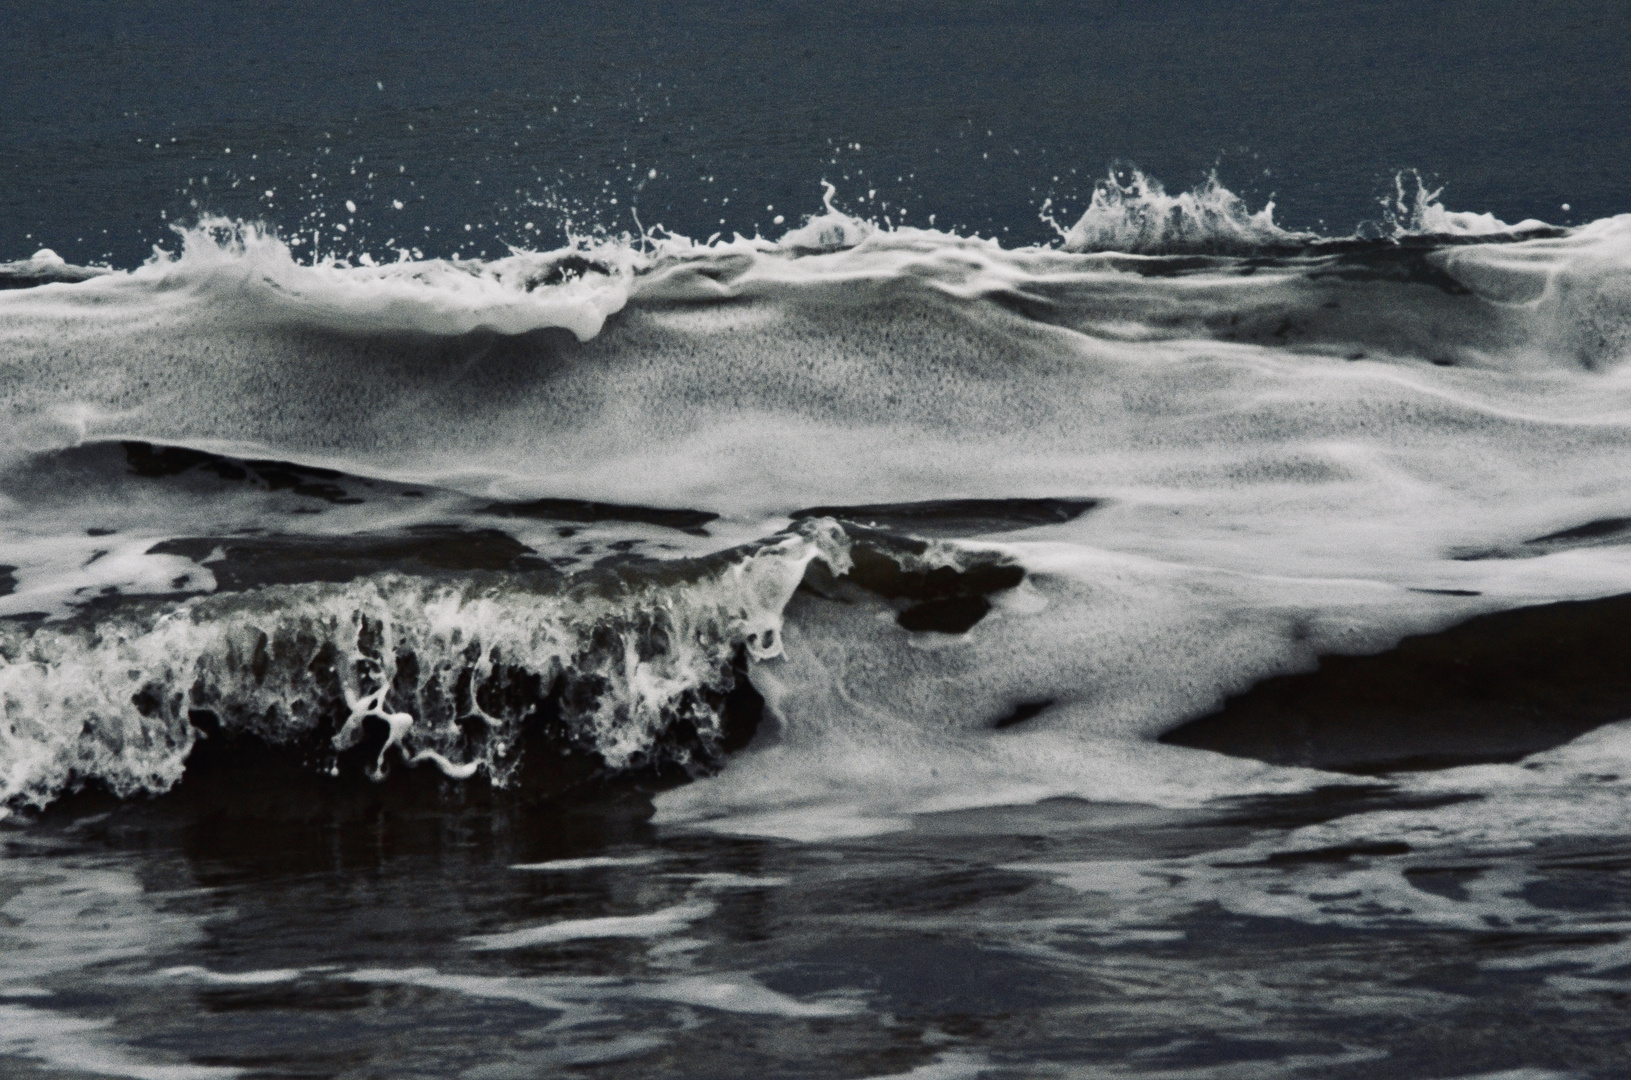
(944, 540)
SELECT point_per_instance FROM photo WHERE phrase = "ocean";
(951, 541)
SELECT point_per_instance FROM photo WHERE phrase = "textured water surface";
(553, 567)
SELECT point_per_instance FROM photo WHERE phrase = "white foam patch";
(743, 996)
(1579, 789)
(59, 571)
(864, 734)
(656, 924)
(952, 1066)
(513, 295)
(68, 1042)
(1377, 869)
(86, 358)
(584, 998)
(1360, 893)
(67, 914)
(732, 881)
(597, 862)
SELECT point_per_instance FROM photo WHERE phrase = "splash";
(1414, 209)
(830, 230)
(1133, 213)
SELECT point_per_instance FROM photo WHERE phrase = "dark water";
(972, 111)
(355, 938)
(943, 605)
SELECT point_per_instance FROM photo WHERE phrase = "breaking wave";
(578, 287)
(628, 668)
(1133, 213)
(1019, 513)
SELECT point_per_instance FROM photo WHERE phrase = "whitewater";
(1063, 601)
(1281, 446)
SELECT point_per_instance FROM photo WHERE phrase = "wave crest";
(1132, 213)
(575, 288)
(1414, 209)
(630, 669)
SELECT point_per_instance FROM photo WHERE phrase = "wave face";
(964, 523)
(452, 670)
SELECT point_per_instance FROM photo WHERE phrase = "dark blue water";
(116, 119)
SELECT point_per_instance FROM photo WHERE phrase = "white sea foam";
(1122, 649)
(654, 924)
(597, 862)
(257, 272)
(1414, 209)
(70, 1043)
(233, 978)
(1283, 456)
(1464, 864)
(112, 702)
(67, 914)
(584, 998)
(952, 1066)
(1133, 213)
